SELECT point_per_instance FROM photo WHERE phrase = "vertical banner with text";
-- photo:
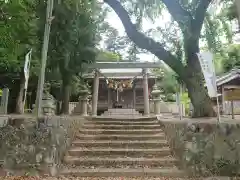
(208, 69)
(27, 67)
(26, 75)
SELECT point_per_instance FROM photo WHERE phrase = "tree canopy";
(75, 33)
(179, 43)
(79, 28)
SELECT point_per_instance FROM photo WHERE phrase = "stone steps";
(140, 123)
(121, 126)
(132, 137)
(121, 112)
(123, 119)
(124, 172)
(116, 147)
(120, 131)
(78, 151)
(120, 161)
(118, 144)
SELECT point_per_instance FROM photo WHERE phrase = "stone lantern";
(89, 104)
(83, 100)
(48, 101)
(156, 99)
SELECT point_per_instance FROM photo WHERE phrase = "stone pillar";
(4, 101)
(156, 99)
(134, 98)
(83, 100)
(109, 98)
(145, 92)
(223, 101)
(84, 106)
(95, 93)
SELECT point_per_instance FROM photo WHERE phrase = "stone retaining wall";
(205, 148)
(36, 147)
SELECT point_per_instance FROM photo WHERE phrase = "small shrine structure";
(121, 85)
(229, 92)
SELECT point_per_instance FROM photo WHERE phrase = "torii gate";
(122, 65)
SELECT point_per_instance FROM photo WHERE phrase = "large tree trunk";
(65, 96)
(19, 101)
(202, 104)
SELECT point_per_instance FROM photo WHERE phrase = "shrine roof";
(123, 69)
(125, 65)
(121, 73)
(229, 76)
(128, 70)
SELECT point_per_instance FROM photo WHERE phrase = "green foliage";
(232, 59)
(166, 81)
(227, 59)
(120, 45)
(106, 56)
(75, 31)
(72, 38)
(230, 9)
(18, 34)
(219, 63)
(19, 19)
(72, 43)
(186, 102)
(211, 33)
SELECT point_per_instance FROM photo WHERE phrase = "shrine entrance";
(122, 85)
(122, 99)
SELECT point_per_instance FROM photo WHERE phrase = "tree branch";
(199, 16)
(179, 14)
(143, 41)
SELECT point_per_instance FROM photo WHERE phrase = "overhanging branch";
(143, 41)
(180, 15)
(199, 16)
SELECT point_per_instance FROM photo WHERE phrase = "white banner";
(208, 69)
(27, 67)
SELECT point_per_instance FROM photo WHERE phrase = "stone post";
(134, 97)
(109, 98)
(48, 101)
(4, 101)
(95, 93)
(89, 104)
(157, 100)
(83, 100)
(145, 92)
(223, 101)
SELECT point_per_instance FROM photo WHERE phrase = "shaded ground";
(111, 178)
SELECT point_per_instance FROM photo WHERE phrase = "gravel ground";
(110, 178)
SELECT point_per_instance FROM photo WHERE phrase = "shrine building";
(121, 85)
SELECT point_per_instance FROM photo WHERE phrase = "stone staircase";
(121, 113)
(108, 147)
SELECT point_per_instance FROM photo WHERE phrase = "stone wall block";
(205, 148)
(37, 146)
